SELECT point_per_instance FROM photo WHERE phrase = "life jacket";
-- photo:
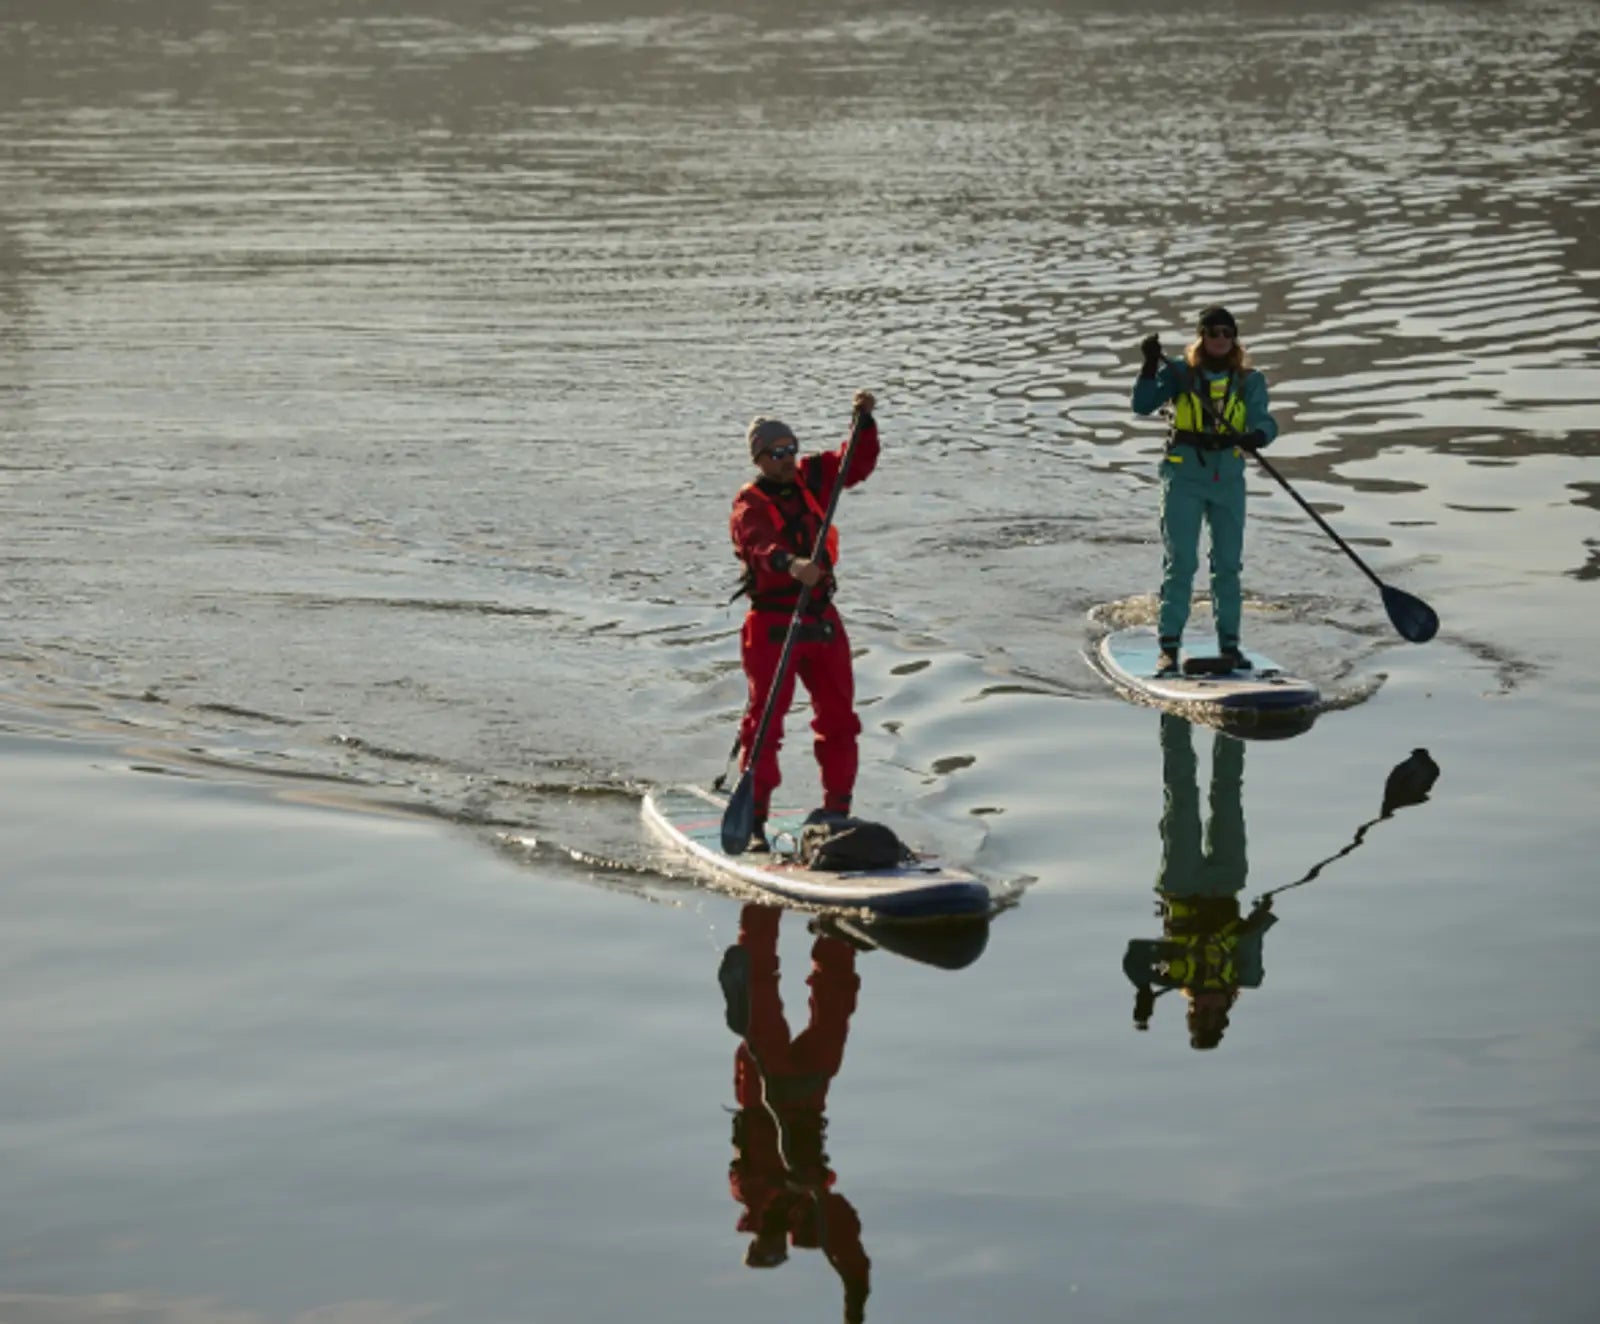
(793, 531)
(1190, 417)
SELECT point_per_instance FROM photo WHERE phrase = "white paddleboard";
(690, 819)
(1128, 659)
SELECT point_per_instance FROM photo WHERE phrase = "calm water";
(372, 386)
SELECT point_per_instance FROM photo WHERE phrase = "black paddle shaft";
(739, 818)
(1322, 523)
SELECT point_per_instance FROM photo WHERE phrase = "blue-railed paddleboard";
(1128, 659)
(690, 819)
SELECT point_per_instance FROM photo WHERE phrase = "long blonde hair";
(1238, 357)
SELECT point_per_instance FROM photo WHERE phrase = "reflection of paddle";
(1412, 617)
(1409, 783)
(739, 819)
(733, 975)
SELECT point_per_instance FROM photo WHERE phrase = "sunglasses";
(786, 451)
(1221, 332)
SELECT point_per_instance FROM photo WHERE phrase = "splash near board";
(1203, 688)
(690, 819)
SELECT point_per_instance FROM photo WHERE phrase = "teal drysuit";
(1201, 485)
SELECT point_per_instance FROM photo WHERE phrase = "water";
(372, 387)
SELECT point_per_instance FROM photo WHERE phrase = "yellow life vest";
(1189, 415)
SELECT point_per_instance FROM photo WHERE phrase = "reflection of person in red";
(780, 1171)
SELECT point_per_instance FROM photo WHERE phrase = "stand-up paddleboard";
(1128, 659)
(691, 819)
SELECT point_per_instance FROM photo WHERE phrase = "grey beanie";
(764, 432)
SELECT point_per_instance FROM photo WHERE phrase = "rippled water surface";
(372, 387)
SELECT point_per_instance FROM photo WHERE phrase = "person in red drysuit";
(779, 1172)
(774, 524)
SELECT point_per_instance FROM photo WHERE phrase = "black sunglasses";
(782, 452)
(1225, 332)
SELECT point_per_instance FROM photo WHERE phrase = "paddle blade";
(739, 818)
(1413, 617)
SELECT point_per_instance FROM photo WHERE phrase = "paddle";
(1411, 616)
(739, 818)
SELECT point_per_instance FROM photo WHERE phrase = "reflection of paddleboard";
(691, 819)
(953, 945)
(1128, 659)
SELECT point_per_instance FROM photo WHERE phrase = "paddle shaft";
(799, 608)
(1322, 523)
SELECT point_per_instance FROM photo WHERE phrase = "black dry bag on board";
(848, 844)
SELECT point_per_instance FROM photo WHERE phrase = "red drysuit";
(770, 524)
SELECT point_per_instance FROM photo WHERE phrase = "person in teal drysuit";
(1202, 472)
(1207, 948)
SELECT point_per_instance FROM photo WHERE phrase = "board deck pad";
(1128, 658)
(690, 818)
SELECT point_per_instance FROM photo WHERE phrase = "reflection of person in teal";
(1207, 948)
(780, 1172)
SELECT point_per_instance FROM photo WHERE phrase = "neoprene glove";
(1253, 441)
(1150, 347)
